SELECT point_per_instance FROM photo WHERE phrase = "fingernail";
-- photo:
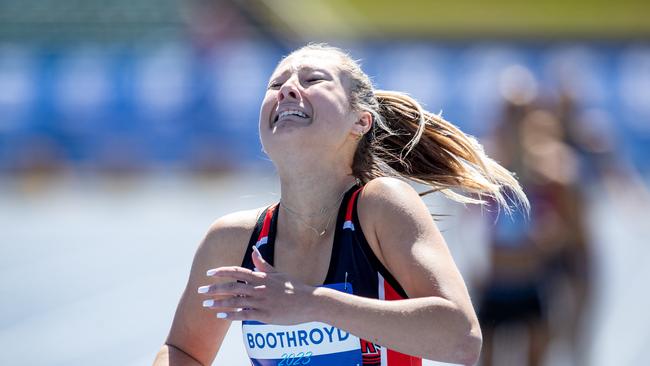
(208, 303)
(203, 289)
(255, 269)
(211, 272)
(256, 250)
(222, 315)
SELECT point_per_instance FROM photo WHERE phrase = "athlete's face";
(306, 105)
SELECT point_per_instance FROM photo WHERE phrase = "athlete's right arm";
(196, 334)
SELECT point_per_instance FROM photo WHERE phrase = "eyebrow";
(302, 68)
(310, 68)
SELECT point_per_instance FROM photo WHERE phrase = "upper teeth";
(292, 112)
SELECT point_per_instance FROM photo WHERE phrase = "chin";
(290, 144)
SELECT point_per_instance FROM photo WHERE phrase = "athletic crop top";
(354, 269)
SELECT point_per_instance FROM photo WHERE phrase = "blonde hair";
(409, 142)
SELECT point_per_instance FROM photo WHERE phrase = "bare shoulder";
(389, 207)
(385, 201)
(235, 223)
(385, 192)
(228, 236)
(194, 330)
(400, 230)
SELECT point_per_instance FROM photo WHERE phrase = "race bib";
(313, 343)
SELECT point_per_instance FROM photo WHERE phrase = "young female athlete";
(349, 267)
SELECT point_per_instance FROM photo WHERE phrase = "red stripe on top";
(348, 213)
(399, 359)
(390, 293)
(266, 226)
(395, 358)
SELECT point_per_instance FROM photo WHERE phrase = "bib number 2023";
(301, 358)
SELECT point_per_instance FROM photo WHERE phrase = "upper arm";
(196, 330)
(401, 231)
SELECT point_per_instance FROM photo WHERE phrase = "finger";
(229, 288)
(243, 314)
(235, 302)
(209, 305)
(260, 263)
(237, 273)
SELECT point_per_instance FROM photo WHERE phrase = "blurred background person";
(533, 258)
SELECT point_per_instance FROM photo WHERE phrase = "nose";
(288, 90)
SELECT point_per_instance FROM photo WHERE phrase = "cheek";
(266, 107)
(335, 105)
(338, 110)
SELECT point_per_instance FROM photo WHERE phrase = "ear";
(363, 123)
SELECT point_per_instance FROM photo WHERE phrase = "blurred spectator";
(539, 264)
(591, 135)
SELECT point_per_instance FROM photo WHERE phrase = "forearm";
(430, 327)
(172, 356)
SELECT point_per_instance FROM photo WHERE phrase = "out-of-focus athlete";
(349, 267)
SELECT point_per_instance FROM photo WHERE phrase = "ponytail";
(409, 142)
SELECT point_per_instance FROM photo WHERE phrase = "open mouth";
(289, 115)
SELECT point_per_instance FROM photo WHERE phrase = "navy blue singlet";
(353, 268)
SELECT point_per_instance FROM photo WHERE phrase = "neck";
(313, 195)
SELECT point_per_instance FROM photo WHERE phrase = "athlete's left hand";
(267, 295)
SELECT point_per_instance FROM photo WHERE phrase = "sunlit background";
(127, 127)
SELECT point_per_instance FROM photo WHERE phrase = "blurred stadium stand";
(138, 84)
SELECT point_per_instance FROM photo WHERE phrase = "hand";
(267, 295)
